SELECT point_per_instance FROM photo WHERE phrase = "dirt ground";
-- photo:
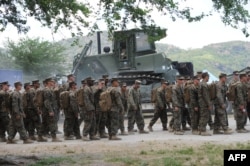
(25, 154)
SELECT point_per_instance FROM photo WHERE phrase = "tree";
(36, 57)
(76, 15)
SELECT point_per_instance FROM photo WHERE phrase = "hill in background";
(216, 58)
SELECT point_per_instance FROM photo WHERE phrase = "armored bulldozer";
(133, 56)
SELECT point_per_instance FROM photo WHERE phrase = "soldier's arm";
(175, 100)
(205, 95)
(159, 99)
(15, 104)
(88, 104)
(193, 100)
(73, 103)
(219, 96)
(48, 101)
(118, 100)
(240, 95)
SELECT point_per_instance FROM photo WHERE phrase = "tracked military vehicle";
(133, 56)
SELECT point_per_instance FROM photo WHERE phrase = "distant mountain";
(216, 58)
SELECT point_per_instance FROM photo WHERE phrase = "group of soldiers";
(37, 109)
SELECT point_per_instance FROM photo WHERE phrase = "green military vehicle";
(133, 56)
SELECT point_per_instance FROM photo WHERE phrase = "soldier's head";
(71, 78)
(83, 83)
(89, 81)
(235, 75)
(223, 77)
(205, 76)
(72, 85)
(36, 84)
(26, 86)
(196, 79)
(50, 82)
(124, 86)
(164, 83)
(101, 83)
(18, 86)
(179, 80)
(243, 77)
(5, 86)
(199, 73)
(137, 84)
(115, 82)
(106, 78)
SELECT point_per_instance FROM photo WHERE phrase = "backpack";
(105, 101)
(38, 99)
(168, 94)
(153, 95)
(64, 99)
(212, 90)
(231, 95)
(187, 93)
(80, 97)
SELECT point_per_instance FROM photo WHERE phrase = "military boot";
(185, 128)
(195, 132)
(241, 131)
(143, 131)
(123, 132)
(11, 141)
(41, 139)
(85, 138)
(94, 138)
(171, 129)
(150, 128)
(205, 133)
(3, 139)
(217, 131)
(68, 137)
(55, 139)
(131, 132)
(78, 137)
(135, 130)
(179, 133)
(165, 129)
(228, 131)
(32, 137)
(114, 137)
(27, 141)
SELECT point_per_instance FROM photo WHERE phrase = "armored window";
(142, 43)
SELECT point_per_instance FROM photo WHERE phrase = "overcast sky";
(180, 33)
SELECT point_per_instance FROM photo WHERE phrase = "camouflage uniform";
(4, 114)
(71, 124)
(177, 101)
(32, 119)
(116, 109)
(194, 103)
(204, 104)
(16, 121)
(124, 98)
(101, 117)
(89, 112)
(240, 100)
(135, 110)
(220, 118)
(57, 92)
(160, 108)
(49, 106)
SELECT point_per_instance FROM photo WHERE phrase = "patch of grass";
(161, 152)
(49, 161)
(186, 151)
(125, 160)
(170, 161)
(143, 152)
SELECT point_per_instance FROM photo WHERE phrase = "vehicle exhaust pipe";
(99, 48)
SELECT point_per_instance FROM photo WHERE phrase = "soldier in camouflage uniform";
(220, 107)
(160, 107)
(124, 98)
(248, 91)
(81, 108)
(4, 111)
(89, 112)
(71, 124)
(194, 105)
(101, 117)
(16, 122)
(178, 105)
(32, 118)
(48, 110)
(240, 103)
(135, 110)
(116, 109)
(204, 104)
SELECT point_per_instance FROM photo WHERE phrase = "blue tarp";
(11, 76)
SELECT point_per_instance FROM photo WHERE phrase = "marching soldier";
(124, 98)
(135, 110)
(220, 107)
(16, 122)
(4, 110)
(160, 107)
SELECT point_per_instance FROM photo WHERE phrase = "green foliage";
(6, 61)
(76, 15)
(36, 57)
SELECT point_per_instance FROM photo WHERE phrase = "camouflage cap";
(137, 82)
(83, 81)
(105, 76)
(180, 78)
(222, 75)
(124, 84)
(243, 74)
(35, 82)
(101, 79)
(72, 83)
(199, 72)
(205, 74)
(89, 79)
(26, 84)
(236, 72)
(196, 77)
(18, 83)
(114, 79)
(50, 79)
(187, 77)
(70, 75)
(5, 83)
